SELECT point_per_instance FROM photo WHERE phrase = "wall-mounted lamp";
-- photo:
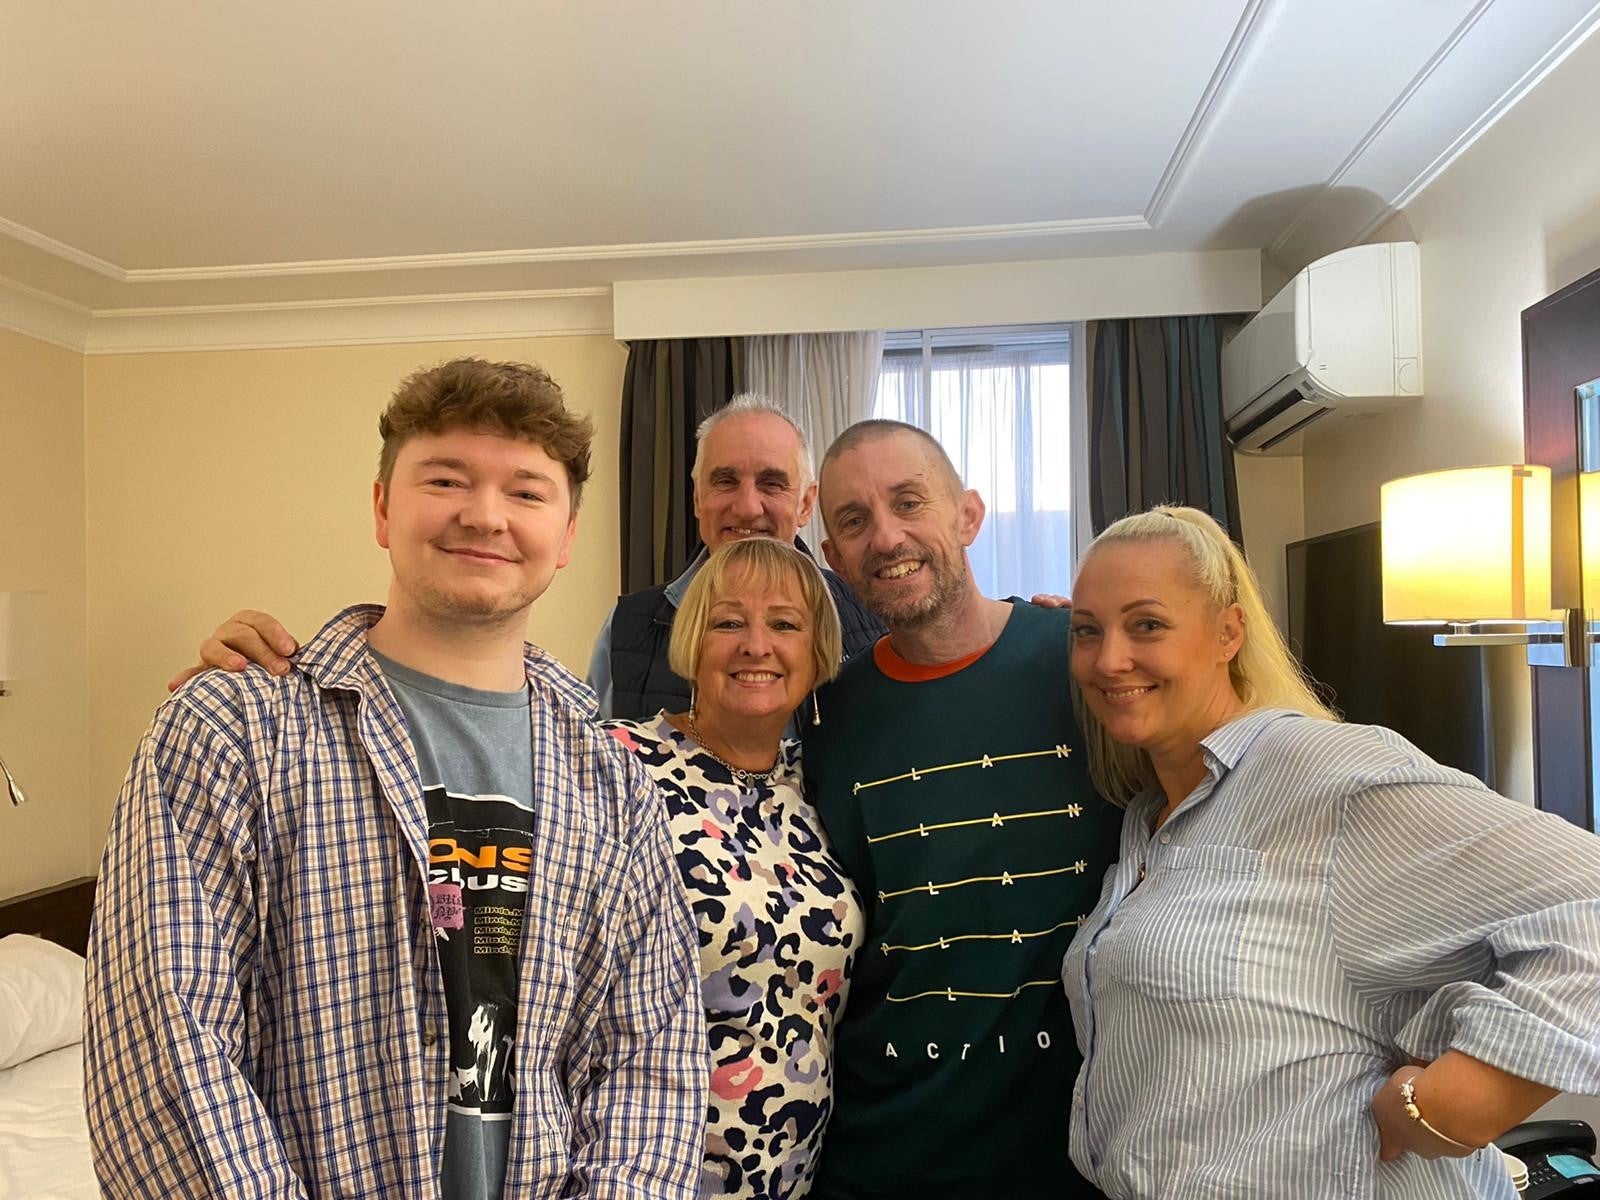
(1470, 548)
(19, 639)
(1589, 534)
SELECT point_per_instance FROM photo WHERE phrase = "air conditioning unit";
(1343, 339)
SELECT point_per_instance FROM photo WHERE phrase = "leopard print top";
(780, 924)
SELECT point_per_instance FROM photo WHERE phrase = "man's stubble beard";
(949, 586)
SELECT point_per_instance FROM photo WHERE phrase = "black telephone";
(1559, 1157)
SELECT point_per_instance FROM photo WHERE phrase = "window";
(1000, 403)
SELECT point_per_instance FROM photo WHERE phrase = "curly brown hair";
(518, 400)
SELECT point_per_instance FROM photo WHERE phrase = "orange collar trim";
(897, 668)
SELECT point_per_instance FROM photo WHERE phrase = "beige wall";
(1515, 218)
(1271, 512)
(44, 723)
(224, 480)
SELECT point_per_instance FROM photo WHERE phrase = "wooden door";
(1561, 429)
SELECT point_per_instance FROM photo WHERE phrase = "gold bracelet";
(1408, 1100)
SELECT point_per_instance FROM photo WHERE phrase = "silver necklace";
(740, 774)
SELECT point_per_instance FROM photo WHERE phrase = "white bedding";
(44, 1138)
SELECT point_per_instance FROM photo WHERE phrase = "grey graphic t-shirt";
(475, 759)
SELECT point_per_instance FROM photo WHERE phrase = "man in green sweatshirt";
(951, 777)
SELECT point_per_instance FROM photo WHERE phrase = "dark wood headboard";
(58, 914)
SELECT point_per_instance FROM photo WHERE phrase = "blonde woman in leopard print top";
(779, 920)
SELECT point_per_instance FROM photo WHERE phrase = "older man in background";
(752, 478)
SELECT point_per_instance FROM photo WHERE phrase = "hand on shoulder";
(244, 638)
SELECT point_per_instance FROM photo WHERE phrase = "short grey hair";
(754, 402)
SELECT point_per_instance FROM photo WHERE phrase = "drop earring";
(694, 696)
(816, 710)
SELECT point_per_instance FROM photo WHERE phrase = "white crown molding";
(570, 312)
(716, 246)
(1368, 139)
(1503, 104)
(1398, 197)
(39, 315)
(264, 306)
(1506, 101)
(40, 241)
(549, 254)
(1251, 22)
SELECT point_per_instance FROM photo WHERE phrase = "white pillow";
(41, 998)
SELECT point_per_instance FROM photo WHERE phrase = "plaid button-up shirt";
(266, 1014)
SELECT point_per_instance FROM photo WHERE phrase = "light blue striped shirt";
(1326, 904)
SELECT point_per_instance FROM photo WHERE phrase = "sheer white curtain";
(1001, 413)
(825, 381)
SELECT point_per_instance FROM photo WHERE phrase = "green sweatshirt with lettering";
(963, 808)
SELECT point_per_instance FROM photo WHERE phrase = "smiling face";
(476, 525)
(1149, 651)
(750, 481)
(756, 657)
(898, 528)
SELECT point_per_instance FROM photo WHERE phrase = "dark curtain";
(670, 387)
(1155, 420)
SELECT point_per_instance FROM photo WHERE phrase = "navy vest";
(641, 682)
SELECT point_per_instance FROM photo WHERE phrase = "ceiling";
(183, 153)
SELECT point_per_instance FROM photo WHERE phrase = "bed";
(44, 1138)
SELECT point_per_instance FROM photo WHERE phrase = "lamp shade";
(1472, 544)
(21, 628)
(1589, 536)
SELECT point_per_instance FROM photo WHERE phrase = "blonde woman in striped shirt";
(1322, 966)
